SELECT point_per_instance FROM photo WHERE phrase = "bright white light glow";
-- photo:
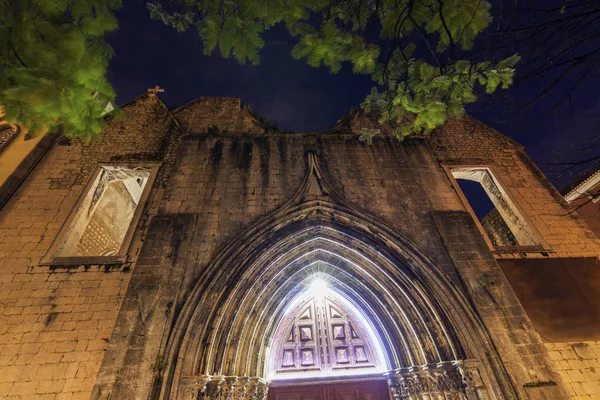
(318, 286)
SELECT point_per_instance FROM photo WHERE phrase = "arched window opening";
(500, 218)
(323, 334)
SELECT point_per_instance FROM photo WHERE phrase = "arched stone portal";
(432, 344)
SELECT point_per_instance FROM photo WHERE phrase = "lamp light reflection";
(318, 286)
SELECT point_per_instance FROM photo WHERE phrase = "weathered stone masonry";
(75, 331)
(57, 320)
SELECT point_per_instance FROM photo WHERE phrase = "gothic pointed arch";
(322, 334)
(430, 340)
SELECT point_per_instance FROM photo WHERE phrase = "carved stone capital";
(213, 388)
(443, 381)
(259, 389)
(407, 384)
(228, 388)
(219, 387)
(197, 386)
(471, 376)
(240, 388)
(398, 385)
(453, 380)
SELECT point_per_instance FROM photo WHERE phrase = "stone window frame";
(541, 246)
(15, 132)
(51, 257)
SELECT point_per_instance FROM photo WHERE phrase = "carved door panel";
(322, 337)
(346, 342)
(366, 390)
(301, 349)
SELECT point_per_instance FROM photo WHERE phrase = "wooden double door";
(358, 390)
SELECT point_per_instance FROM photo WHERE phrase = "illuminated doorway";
(324, 348)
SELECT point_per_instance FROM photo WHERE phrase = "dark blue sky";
(287, 91)
(301, 98)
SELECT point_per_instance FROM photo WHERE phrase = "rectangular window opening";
(104, 216)
(501, 220)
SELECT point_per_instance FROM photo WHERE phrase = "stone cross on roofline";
(156, 89)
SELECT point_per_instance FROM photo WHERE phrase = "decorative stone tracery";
(219, 387)
(8, 132)
(444, 381)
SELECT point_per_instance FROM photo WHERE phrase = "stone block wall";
(517, 342)
(579, 365)
(468, 142)
(564, 234)
(215, 183)
(224, 183)
(231, 181)
(399, 183)
(55, 327)
(56, 320)
(212, 114)
(499, 233)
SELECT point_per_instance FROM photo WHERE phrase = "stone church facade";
(201, 253)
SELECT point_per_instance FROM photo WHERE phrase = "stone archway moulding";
(434, 344)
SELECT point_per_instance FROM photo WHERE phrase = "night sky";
(301, 98)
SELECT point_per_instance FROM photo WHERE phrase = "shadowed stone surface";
(236, 210)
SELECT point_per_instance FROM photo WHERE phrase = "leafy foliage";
(419, 52)
(53, 62)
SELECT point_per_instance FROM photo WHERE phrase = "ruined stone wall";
(212, 114)
(579, 365)
(404, 185)
(56, 321)
(399, 183)
(470, 143)
(515, 338)
(214, 184)
(225, 182)
(499, 233)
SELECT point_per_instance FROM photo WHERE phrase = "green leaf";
(419, 84)
(54, 65)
